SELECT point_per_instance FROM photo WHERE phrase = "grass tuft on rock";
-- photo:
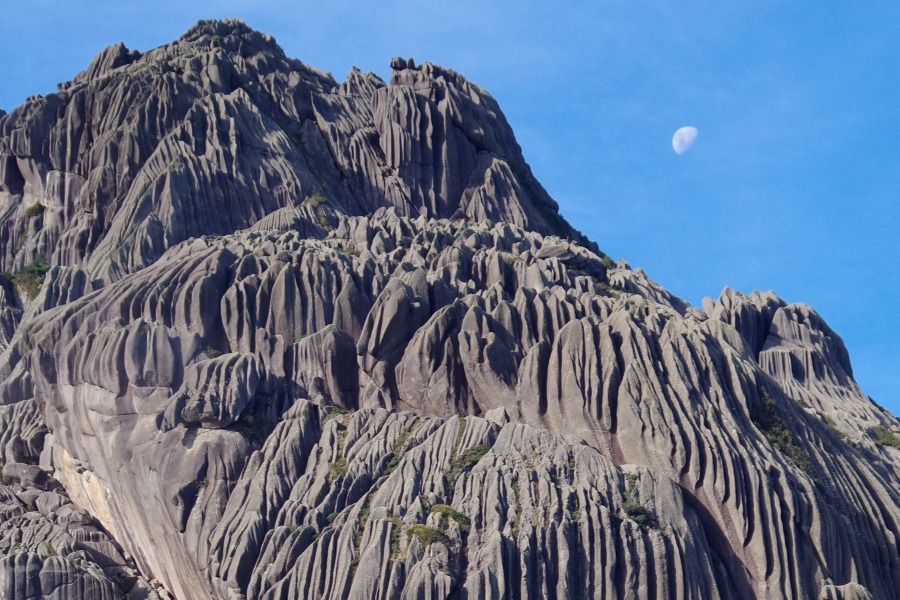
(637, 512)
(338, 467)
(771, 424)
(641, 515)
(316, 199)
(885, 437)
(427, 535)
(461, 463)
(449, 512)
(400, 447)
(34, 210)
(30, 277)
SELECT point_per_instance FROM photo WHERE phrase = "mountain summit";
(213, 132)
(267, 335)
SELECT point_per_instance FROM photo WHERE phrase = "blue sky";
(792, 184)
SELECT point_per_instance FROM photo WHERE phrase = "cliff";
(268, 335)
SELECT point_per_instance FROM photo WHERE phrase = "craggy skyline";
(792, 184)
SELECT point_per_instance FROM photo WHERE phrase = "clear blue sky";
(792, 185)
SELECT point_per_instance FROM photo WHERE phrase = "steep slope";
(303, 339)
(212, 132)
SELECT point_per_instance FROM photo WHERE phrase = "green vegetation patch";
(427, 535)
(637, 512)
(885, 437)
(400, 447)
(514, 522)
(460, 432)
(30, 277)
(607, 290)
(255, 426)
(316, 199)
(334, 411)
(449, 513)
(363, 520)
(608, 262)
(338, 467)
(641, 515)
(396, 526)
(770, 423)
(461, 463)
(34, 210)
(832, 426)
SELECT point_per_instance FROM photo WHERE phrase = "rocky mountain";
(268, 335)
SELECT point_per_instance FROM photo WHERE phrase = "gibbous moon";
(684, 139)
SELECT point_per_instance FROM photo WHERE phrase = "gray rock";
(51, 549)
(300, 338)
(626, 375)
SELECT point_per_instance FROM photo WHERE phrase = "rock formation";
(268, 335)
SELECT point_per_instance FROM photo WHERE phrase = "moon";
(684, 139)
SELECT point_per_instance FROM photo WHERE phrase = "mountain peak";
(263, 333)
(431, 143)
(109, 59)
(229, 33)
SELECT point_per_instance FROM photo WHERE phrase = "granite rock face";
(272, 336)
(52, 549)
(213, 132)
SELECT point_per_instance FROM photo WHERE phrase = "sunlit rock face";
(265, 335)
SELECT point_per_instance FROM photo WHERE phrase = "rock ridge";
(267, 335)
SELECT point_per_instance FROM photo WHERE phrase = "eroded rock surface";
(295, 338)
(53, 549)
(211, 133)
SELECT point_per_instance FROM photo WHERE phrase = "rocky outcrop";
(52, 549)
(470, 319)
(213, 132)
(334, 341)
(10, 311)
